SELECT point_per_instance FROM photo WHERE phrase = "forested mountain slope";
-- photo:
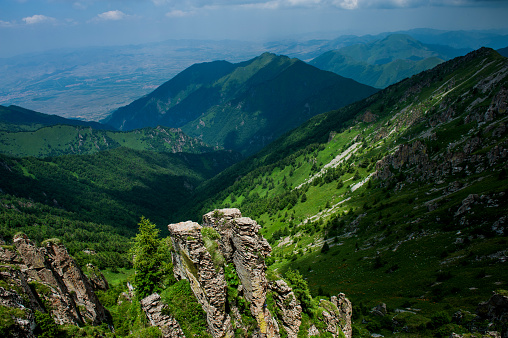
(65, 140)
(113, 187)
(241, 106)
(399, 198)
(14, 118)
(384, 62)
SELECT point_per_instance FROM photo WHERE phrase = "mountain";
(398, 199)
(384, 62)
(14, 118)
(241, 106)
(64, 140)
(89, 83)
(503, 51)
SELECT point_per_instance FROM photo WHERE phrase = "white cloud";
(179, 14)
(7, 23)
(38, 18)
(345, 4)
(111, 16)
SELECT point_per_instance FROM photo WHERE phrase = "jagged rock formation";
(193, 262)
(47, 279)
(152, 306)
(345, 313)
(96, 278)
(239, 244)
(495, 310)
(291, 310)
(247, 250)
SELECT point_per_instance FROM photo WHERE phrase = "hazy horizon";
(28, 26)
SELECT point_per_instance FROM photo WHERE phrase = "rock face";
(49, 280)
(193, 262)
(239, 245)
(345, 313)
(96, 278)
(152, 306)
(291, 310)
(495, 310)
(246, 249)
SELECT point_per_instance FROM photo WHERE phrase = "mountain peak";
(241, 106)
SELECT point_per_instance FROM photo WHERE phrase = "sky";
(37, 25)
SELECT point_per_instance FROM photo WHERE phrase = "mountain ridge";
(201, 109)
(381, 63)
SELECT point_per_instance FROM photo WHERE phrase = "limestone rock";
(242, 245)
(313, 331)
(193, 262)
(495, 309)
(290, 307)
(379, 310)
(65, 288)
(337, 315)
(345, 313)
(152, 306)
(220, 220)
(24, 321)
(48, 274)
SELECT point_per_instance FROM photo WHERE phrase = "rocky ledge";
(48, 280)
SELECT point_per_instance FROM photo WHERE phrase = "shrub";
(439, 318)
(300, 289)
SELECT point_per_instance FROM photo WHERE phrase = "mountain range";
(90, 83)
(397, 199)
(242, 106)
(384, 62)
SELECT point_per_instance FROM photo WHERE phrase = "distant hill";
(242, 106)
(503, 51)
(14, 118)
(63, 140)
(384, 62)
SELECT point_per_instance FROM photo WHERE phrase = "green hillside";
(14, 118)
(64, 139)
(384, 62)
(399, 198)
(241, 106)
(113, 187)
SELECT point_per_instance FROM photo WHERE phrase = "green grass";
(117, 277)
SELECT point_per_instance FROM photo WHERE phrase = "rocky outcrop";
(47, 279)
(337, 315)
(247, 250)
(193, 262)
(240, 245)
(495, 309)
(291, 310)
(96, 278)
(345, 313)
(153, 308)
(22, 318)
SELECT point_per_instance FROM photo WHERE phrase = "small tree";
(325, 248)
(151, 260)
(300, 288)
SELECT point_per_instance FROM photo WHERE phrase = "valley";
(302, 188)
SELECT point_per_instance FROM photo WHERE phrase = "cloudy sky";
(35, 25)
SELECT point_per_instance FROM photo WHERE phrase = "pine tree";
(151, 260)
